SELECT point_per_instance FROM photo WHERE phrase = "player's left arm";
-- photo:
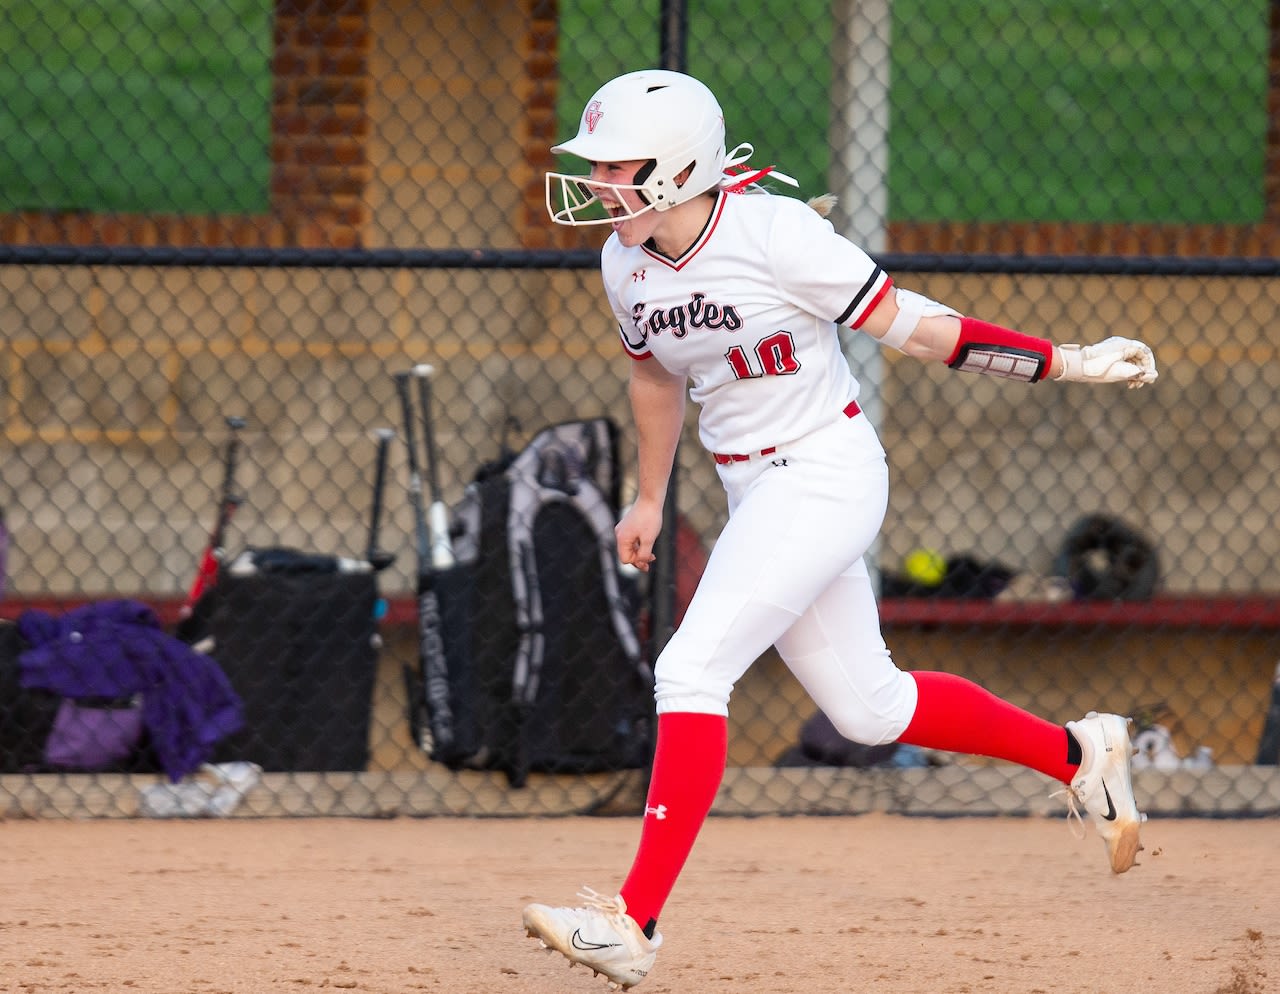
(925, 329)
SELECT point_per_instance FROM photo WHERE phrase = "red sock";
(688, 765)
(956, 715)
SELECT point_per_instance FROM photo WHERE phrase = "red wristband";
(988, 348)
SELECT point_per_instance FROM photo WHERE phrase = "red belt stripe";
(722, 458)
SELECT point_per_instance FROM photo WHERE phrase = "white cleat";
(1104, 786)
(601, 936)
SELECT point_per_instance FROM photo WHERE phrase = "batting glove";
(1115, 360)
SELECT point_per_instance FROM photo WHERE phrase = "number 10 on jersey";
(773, 355)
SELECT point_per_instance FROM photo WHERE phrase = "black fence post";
(662, 589)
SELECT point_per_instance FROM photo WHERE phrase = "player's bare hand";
(1114, 360)
(636, 533)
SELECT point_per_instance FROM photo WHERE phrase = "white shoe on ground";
(601, 936)
(1104, 786)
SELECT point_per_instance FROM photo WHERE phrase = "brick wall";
(319, 123)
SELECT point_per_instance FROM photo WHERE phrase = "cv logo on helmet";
(592, 116)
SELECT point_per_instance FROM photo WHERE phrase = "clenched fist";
(1114, 360)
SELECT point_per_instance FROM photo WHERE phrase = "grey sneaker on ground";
(1104, 786)
(600, 935)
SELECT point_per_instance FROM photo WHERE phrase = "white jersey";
(749, 315)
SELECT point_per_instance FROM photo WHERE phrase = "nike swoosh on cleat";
(1111, 808)
(578, 942)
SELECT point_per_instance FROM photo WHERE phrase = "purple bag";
(86, 737)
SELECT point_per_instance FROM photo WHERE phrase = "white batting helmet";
(667, 118)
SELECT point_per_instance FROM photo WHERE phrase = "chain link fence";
(238, 220)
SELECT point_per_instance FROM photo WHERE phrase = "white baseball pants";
(788, 571)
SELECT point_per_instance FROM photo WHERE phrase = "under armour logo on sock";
(660, 812)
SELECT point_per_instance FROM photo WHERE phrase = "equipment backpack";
(546, 669)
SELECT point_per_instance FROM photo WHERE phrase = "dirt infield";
(791, 906)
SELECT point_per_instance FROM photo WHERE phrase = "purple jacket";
(117, 648)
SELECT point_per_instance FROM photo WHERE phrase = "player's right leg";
(1090, 757)
(837, 653)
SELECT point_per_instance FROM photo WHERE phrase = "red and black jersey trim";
(635, 350)
(702, 239)
(867, 287)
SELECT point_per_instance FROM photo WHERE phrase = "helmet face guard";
(574, 200)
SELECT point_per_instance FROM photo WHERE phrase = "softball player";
(736, 299)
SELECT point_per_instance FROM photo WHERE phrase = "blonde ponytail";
(824, 203)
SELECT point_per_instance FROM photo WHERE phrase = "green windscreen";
(1119, 111)
(135, 105)
(1115, 111)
